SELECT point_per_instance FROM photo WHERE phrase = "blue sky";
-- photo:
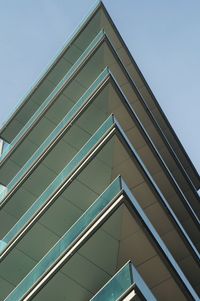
(163, 36)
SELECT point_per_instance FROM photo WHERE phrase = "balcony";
(109, 152)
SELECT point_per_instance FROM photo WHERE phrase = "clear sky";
(163, 36)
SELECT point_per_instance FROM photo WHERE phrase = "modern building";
(98, 196)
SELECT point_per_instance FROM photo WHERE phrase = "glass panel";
(106, 162)
(3, 146)
(49, 99)
(94, 263)
(2, 245)
(117, 286)
(60, 127)
(116, 159)
(74, 200)
(66, 241)
(115, 69)
(100, 58)
(3, 192)
(107, 101)
(131, 176)
(121, 233)
(111, 161)
(122, 283)
(60, 179)
(70, 53)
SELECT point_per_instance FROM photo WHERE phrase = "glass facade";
(98, 200)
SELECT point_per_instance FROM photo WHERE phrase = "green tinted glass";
(66, 241)
(117, 286)
(54, 94)
(60, 127)
(60, 179)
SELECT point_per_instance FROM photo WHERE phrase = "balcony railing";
(44, 106)
(60, 128)
(64, 175)
(125, 282)
(106, 204)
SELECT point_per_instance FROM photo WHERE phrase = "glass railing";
(55, 92)
(117, 286)
(67, 240)
(3, 192)
(34, 157)
(69, 41)
(60, 179)
(122, 284)
(59, 128)
(3, 245)
(48, 193)
(3, 146)
(101, 206)
(96, 139)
